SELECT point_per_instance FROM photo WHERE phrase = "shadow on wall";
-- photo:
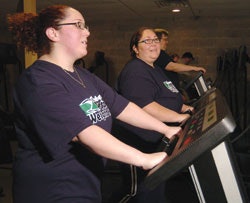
(103, 67)
(10, 69)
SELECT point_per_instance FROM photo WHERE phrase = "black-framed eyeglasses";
(79, 25)
(150, 41)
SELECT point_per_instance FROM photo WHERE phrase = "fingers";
(153, 159)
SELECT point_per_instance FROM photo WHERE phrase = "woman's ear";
(135, 49)
(52, 33)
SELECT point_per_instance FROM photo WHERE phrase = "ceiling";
(111, 10)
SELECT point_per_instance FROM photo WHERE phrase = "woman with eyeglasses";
(64, 114)
(144, 83)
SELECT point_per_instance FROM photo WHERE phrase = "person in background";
(165, 62)
(187, 58)
(63, 114)
(175, 58)
(145, 84)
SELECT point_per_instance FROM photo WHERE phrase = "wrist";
(183, 117)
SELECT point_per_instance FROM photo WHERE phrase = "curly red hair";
(28, 29)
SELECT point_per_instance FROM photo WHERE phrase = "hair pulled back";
(28, 29)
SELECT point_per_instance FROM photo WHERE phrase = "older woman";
(145, 84)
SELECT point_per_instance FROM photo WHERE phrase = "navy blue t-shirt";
(51, 108)
(162, 61)
(143, 84)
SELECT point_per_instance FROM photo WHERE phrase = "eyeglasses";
(150, 41)
(79, 25)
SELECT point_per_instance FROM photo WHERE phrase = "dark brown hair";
(28, 29)
(136, 38)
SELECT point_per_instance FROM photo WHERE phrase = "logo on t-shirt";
(95, 108)
(170, 86)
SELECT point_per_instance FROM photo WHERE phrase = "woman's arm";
(106, 145)
(135, 116)
(186, 108)
(164, 114)
(178, 67)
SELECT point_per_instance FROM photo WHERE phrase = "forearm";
(141, 119)
(178, 67)
(104, 144)
(164, 114)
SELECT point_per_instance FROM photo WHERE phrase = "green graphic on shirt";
(89, 106)
(95, 109)
(170, 86)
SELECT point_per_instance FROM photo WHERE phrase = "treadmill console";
(208, 127)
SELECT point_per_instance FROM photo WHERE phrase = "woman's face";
(164, 42)
(148, 52)
(73, 38)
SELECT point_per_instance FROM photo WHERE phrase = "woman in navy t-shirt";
(64, 114)
(145, 84)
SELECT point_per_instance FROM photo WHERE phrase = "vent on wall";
(177, 5)
(172, 3)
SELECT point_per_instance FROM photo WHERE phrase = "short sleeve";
(136, 84)
(163, 60)
(48, 104)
